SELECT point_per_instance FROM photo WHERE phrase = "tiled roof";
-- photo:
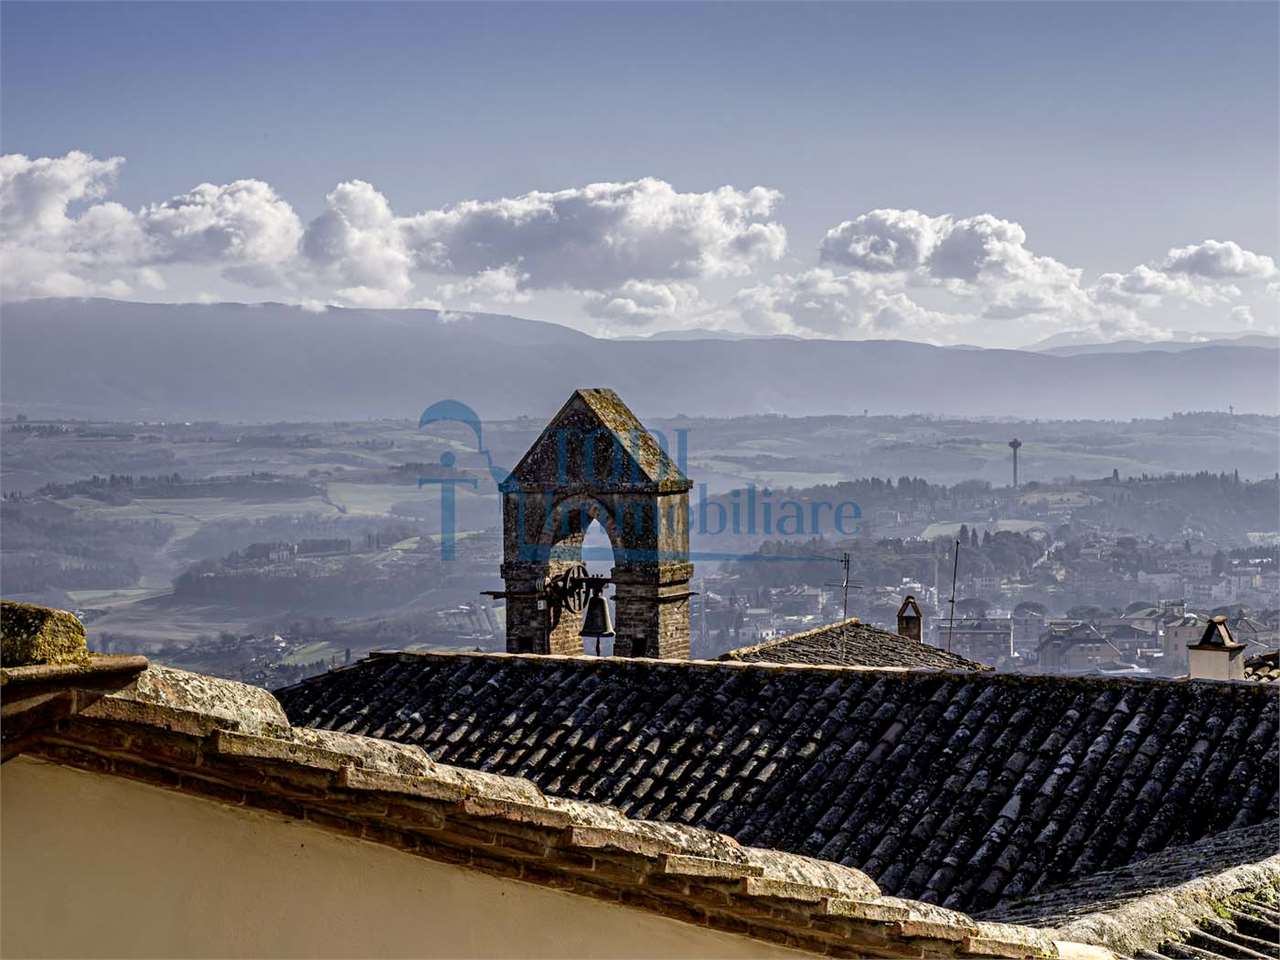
(231, 744)
(1264, 668)
(853, 644)
(1214, 898)
(959, 789)
(1246, 926)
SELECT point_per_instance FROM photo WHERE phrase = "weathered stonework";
(596, 461)
(33, 634)
(222, 742)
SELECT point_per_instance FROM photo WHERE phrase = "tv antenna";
(845, 584)
(955, 568)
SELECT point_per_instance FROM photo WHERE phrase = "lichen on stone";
(31, 634)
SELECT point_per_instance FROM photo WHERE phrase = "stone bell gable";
(596, 461)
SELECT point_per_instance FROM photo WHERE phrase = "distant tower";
(1014, 444)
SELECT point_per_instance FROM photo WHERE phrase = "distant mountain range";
(1167, 346)
(1074, 342)
(103, 359)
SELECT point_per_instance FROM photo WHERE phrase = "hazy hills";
(1084, 341)
(1169, 346)
(112, 360)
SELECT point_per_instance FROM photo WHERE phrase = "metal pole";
(845, 562)
(955, 568)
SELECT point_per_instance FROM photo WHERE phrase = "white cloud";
(46, 249)
(240, 223)
(358, 245)
(982, 258)
(638, 254)
(639, 303)
(499, 285)
(599, 236)
(51, 247)
(1242, 316)
(35, 194)
(883, 241)
(823, 302)
(1218, 260)
(983, 263)
(1147, 286)
(594, 238)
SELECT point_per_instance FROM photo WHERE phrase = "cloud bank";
(636, 255)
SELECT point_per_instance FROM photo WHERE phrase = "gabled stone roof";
(230, 744)
(853, 644)
(959, 789)
(586, 412)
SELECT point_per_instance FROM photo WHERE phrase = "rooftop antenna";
(702, 613)
(955, 568)
(845, 584)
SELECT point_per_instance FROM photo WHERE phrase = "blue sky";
(1109, 133)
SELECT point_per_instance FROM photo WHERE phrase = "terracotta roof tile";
(226, 742)
(1264, 668)
(1214, 898)
(959, 789)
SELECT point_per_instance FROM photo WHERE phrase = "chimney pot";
(1216, 655)
(910, 623)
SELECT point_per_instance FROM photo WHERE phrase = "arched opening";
(579, 532)
(597, 555)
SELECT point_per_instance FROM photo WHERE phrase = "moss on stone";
(31, 634)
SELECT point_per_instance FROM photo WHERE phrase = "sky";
(988, 173)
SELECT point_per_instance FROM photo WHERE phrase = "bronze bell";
(596, 621)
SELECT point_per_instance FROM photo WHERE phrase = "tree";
(972, 607)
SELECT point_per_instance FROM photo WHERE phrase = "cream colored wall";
(95, 866)
(1216, 665)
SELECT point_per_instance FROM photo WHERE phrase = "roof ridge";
(767, 644)
(907, 673)
(909, 646)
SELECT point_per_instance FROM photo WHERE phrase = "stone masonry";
(595, 461)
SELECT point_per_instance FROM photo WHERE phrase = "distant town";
(270, 553)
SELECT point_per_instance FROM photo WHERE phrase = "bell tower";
(596, 461)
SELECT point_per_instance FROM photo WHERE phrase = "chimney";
(1216, 656)
(910, 623)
